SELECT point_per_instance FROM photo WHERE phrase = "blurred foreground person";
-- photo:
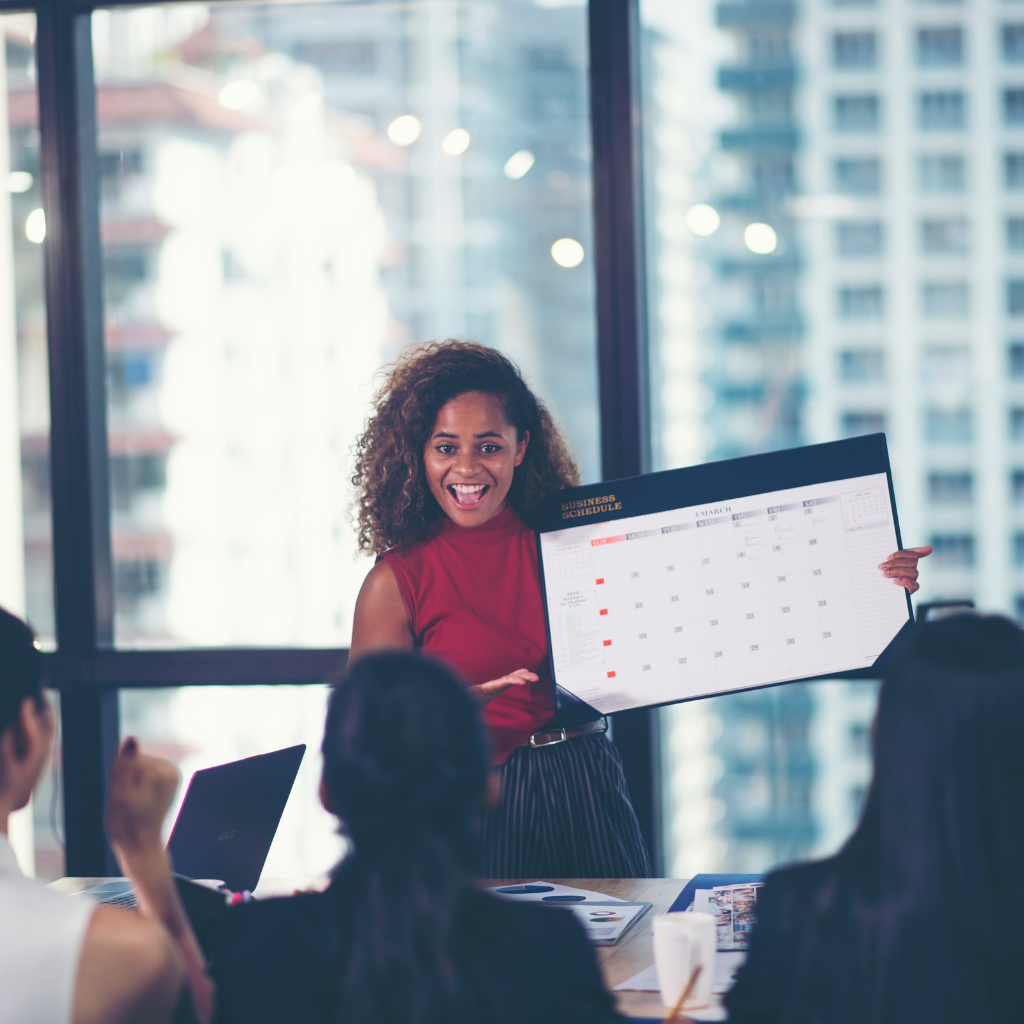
(402, 936)
(70, 960)
(912, 921)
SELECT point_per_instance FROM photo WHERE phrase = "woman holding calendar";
(451, 468)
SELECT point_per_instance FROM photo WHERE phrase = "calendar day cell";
(842, 645)
(697, 674)
(806, 654)
(687, 601)
(792, 556)
(645, 552)
(827, 551)
(837, 611)
(610, 559)
(833, 580)
(681, 548)
(795, 587)
(801, 619)
(724, 599)
(825, 520)
(729, 631)
(733, 666)
(653, 614)
(769, 659)
(692, 637)
(756, 562)
(766, 625)
(760, 594)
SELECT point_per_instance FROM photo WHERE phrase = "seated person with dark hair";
(913, 921)
(403, 934)
(69, 961)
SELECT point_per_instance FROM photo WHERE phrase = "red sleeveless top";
(474, 601)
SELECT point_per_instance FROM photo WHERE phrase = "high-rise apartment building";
(854, 260)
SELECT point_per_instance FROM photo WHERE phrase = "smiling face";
(471, 456)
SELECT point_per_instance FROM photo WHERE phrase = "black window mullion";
(83, 582)
(622, 324)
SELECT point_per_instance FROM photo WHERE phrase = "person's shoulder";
(791, 892)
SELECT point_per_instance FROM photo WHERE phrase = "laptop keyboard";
(124, 899)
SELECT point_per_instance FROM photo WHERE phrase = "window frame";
(86, 667)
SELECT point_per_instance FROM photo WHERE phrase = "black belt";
(560, 733)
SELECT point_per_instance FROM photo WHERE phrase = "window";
(1017, 424)
(950, 488)
(946, 363)
(862, 366)
(1018, 548)
(941, 111)
(941, 175)
(1015, 298)
(945, 300)
(854, 50)
(26, 536)
(1013, 106)
(953, 550)
(1015, 234)
(315, 271)
(864, 177)
(859, 238)
(1016, 360)
(861, 303)
(857, 423)
(1013, 168)
(940, 47)
(948, 426)
(1013, 43)
(945, 237)
(856, 114)
(1017, 486)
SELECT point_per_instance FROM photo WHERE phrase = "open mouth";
(468, 495)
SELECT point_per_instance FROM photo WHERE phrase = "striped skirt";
(564, 813)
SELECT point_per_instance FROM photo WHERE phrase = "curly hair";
(393, 502)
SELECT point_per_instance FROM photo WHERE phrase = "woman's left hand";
(901, 567)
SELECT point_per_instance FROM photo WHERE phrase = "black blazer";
(277, 961)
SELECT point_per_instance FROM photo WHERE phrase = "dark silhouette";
(913, 920)
(403, 936)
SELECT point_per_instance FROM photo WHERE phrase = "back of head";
(405, 766)
(911, 924)
(21, 668)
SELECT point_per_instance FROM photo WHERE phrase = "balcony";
(769, 137)
(753, 15)
(755, 79)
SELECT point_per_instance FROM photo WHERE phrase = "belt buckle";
(549, 743)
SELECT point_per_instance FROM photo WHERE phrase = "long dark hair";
(915, 919)
(394, 506)
(405, 765)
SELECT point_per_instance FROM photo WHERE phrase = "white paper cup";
(682, 941)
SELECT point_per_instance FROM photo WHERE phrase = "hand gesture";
(484, 693)
(141, 791)
(901, 567)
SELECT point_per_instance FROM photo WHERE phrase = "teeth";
(468, 488)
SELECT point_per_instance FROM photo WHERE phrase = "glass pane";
(26, 548)
(37, 831)
(814, 274)
(290, 195)
(201, 726)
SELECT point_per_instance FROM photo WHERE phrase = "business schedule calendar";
(721, 595)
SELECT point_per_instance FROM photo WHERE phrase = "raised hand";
(901, 566)
(141, 791)
(484, 693)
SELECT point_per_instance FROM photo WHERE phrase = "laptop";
(226, 823)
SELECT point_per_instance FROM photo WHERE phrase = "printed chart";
(773, 587)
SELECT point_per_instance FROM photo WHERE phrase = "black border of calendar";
(704, 485)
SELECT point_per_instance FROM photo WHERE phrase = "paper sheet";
(556, 890)
(726, 966)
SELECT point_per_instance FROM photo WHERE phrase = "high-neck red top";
(474, 601)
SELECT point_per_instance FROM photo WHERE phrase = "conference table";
(633, 953)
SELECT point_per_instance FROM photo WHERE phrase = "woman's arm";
(141, 791)
(381, 623)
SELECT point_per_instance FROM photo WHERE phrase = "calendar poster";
(693, 597)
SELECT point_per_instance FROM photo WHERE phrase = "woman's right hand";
(484, 693)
